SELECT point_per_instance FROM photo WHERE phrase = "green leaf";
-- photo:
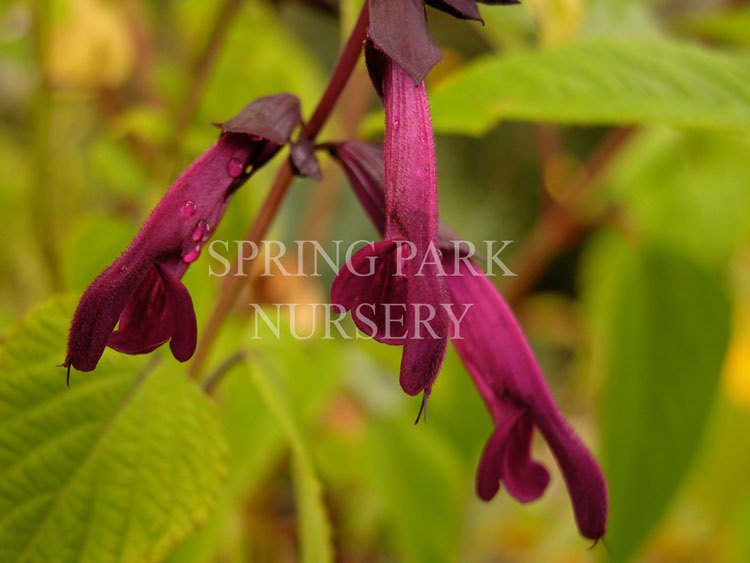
(419, 479)
(599, 81)
(314, 527)
(117, 468)
(257, 443)
(738, 538)
(665, 330)
(685, 190)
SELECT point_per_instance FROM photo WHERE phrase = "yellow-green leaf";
(599, 81)
(313, 525)
(117, 468)
(665, 328)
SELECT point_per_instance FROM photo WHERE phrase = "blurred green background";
(607, 138)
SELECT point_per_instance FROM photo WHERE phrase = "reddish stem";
(232, 286)
(204, 64)
(559, 227)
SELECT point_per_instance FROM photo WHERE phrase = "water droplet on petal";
(201, 231)
(188, 209)
(192, 254)
(396, 123)
(235, 168)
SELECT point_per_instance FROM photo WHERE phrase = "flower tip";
(183, 346)
(591, 505)
(423, 407)
(486, 486)
(420, 364)
(66, 364)
(593, 525)
(587, 488)
(81, 355)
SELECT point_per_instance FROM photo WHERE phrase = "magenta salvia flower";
(399, 53)
(499, 359)
(496, 354)
(142, 289)
(404, 273)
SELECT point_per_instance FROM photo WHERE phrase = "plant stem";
(44, 201)
(344, 68)
(213, 380)
(322, 201)
(202, 67)
(232, 285)
(559, 227)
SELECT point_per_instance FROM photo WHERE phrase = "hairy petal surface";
(412, 215)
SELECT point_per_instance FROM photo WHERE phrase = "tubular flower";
(499, 360)
(399, 53)
(142, 289)
(496, 354)
(406, 270)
